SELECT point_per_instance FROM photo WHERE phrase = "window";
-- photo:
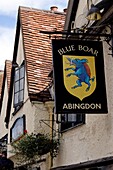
(19, 85)
(71, 120)
(3, 142)
(18, 128)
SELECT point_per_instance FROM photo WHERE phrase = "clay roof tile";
(37, 46)
(8, 65)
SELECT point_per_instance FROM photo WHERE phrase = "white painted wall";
(33, 111)
(80, 19)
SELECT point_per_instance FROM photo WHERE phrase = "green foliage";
(32, 145)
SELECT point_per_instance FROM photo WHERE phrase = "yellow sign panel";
(79, 75)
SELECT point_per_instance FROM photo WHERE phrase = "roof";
(3, 75)
(8, 65)
(37, 50)
(37, 46)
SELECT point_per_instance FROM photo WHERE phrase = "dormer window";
(19, 85)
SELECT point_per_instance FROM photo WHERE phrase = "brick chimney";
(54, 8)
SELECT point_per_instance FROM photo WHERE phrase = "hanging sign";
(79, 77)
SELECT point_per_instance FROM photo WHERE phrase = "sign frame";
(94, 100)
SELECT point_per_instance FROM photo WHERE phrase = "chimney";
(1, 72)
(65, 10)
(54, 8)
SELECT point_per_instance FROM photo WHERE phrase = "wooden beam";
(93, 163)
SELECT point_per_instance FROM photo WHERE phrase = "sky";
(8, 20)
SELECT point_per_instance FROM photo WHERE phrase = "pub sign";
(79, 76)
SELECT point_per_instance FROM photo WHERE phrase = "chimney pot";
(54, 8)
(65, 10)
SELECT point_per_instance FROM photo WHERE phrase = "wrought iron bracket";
(85, 34)
(45, 122)
(82, 35)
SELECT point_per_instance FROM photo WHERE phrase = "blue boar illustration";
(81, 70)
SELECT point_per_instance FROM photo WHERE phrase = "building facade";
(29, 104)
(86, 142)
(85, 138)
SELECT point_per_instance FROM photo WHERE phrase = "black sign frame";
(70, 50)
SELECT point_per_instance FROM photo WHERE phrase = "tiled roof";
(37, 46)
(3, 76)
(8, 65)
(1, 81)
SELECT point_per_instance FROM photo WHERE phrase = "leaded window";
(71, 120)
(18, 129)
(19, 85)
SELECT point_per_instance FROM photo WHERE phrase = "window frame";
(20, 88)
(13, 128)
(66, 125)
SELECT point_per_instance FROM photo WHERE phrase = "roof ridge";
(8, 61)
(41, 10)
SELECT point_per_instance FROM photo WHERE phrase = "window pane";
(18, 129)
(16, 75)
(21, 84)
(72, 117)
(21, 72)
(16, 98)
(64, 117)
(16, 86)
(80, 117)
(21, 96)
